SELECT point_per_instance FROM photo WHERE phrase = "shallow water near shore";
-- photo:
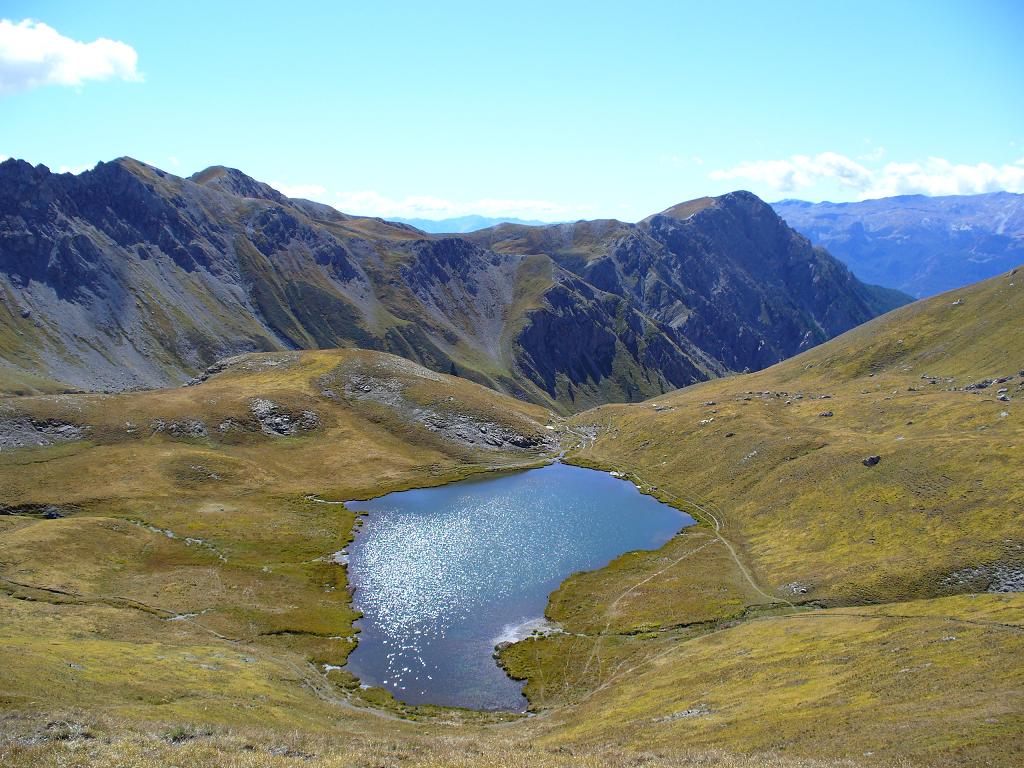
(444, 574)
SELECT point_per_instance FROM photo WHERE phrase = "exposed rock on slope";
(126, 276)
(724, 277)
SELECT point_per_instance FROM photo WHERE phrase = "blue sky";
(542, 110)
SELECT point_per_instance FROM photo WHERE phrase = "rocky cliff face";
(127, 276)
(725, 277)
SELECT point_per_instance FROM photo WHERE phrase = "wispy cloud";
(800, 171)
(866, 179)
(872, 156)
(680, 161)
(34, 54)
(941, 177)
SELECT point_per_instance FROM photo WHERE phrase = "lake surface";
(444, 574)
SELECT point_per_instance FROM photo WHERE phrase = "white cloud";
(800, 171)
(304, 191)
(33, 54)
(370, 203)
(935, 176)
(941, 177)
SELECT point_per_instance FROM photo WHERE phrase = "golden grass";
(788, 485)
(929, 681)
(216, 529)
(59, 743)
(792, 520)
(810, 615)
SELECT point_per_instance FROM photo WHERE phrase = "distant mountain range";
(462, 224)
(919, 245)
(128, 276)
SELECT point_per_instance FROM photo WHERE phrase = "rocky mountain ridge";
(127, 276)
(725, 273)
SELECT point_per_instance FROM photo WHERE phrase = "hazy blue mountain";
(462, 224)
(920, 245)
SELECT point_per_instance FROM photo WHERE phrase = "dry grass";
(810, 526)
(68, 740)
(787, 484)
(215, 529)
(717, 641)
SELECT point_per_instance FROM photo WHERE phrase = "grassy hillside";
(777, 456)
(178, 555)
(933, 682)
(793, 521)
(168, 594)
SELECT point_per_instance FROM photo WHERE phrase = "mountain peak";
(691, 207)
(237, 183)
(133, 166)
(687, 209)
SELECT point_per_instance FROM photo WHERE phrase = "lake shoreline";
(437, 572)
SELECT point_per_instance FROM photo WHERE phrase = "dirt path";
(703, 510)
(715, 521)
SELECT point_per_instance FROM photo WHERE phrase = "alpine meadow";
(494, 387)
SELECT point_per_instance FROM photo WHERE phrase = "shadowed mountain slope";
(126, 276)
(725, 274)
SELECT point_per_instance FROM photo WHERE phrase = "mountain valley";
(433, 385)
(195, 608)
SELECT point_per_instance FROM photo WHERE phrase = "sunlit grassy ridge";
(181, 609)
